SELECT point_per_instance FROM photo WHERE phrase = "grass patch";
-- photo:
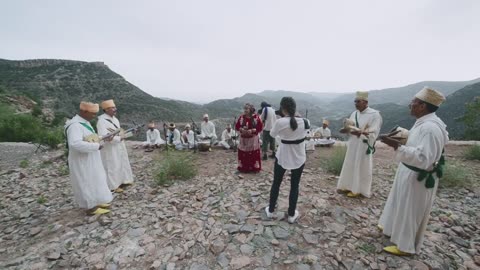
(455, 175)
(41, 199)
(335, 162)
(63, 170)
(24, 163)
(368, 248)
(175, 166)
(473, 152)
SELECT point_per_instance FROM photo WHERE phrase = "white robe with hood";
(87, 175)
(408, 206)
(356, 174)
(114, 154)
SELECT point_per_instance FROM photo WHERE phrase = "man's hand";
(390, 142)
(356, 133)
(100, 147)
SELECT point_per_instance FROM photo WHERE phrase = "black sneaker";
(265, 157)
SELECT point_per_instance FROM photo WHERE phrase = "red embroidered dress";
(249, 156)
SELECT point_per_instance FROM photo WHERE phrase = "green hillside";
(63, 84)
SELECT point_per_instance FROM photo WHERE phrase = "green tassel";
(422, 175)
(430, 183)
(370, 149)
(440, 172)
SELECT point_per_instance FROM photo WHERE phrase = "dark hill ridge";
(66, 83)
(62, 84)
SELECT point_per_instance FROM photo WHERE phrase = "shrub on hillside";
(27, 128)
(335, 162)
(473, 152)
(175, 166)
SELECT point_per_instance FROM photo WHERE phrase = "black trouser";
(278, 172)
(267, 139)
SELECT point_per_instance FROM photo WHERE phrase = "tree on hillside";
(472, 120)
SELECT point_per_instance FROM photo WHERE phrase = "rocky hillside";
(62, 84)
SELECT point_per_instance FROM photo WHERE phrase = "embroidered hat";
(362, 95)
(431, 96)
(108, 104)
(89, 107)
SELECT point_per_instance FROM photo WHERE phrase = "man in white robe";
(408, 206)
(356, 175)
(174, 137)
(228, 137)
(87, 175)
(153, 137)
(114, 153)
(207, 129)
(323, 135)
(188, 138)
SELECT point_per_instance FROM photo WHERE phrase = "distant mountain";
(401, 95)
(450, 112)
(61, 84)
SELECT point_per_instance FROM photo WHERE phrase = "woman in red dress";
(249, 125)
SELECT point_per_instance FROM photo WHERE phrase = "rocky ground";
(216, 220)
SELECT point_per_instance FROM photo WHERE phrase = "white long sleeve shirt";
(290, 156)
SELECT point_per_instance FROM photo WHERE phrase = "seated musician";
(153, 138)
(228, 137)
(208, 130)
(174, 138)
(323, 135)
(188, 138)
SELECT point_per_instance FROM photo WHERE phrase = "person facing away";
(356, 175)
(188, 138)
(228, 137)
(114, 153)
(87, 175)
(268, 118)
(153, 137)
(291, 156)
(410, 201)
(207, 130)
(249, 125)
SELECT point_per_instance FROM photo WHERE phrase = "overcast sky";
(202, 50)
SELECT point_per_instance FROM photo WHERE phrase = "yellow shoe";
(100, 211)
(395, 251)
(104, 205)
(209, 149)
(342, 191)
(118, 190)
(127, 184)
(380, 227)
(353, 195)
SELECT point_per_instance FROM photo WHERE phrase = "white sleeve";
(76, 142)
(275, 129)
(422, 155)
